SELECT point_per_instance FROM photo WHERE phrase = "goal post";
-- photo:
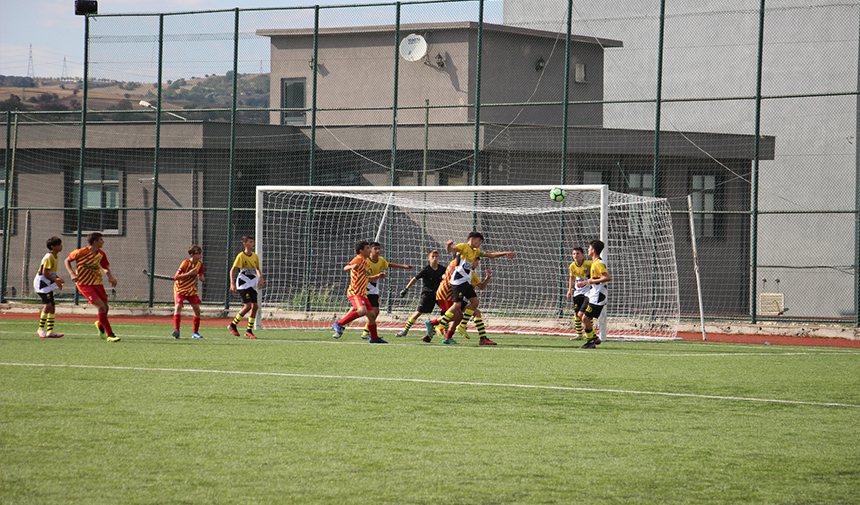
(306, 234)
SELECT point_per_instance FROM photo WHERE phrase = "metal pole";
(231, 176)
(310, 217)
(6, 204)
(696, 264)
(82, 159)
(426, 139)
(754, 195)
(235, 86)
(564, 115)
(477, 151)
(152, 245)
(656, 173)
(392, 178)
(857, 201)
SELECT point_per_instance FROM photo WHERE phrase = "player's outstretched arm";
(509, 254)
(449, 246)
(111, 278)
(398, 265)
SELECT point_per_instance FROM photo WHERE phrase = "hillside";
(183, 94)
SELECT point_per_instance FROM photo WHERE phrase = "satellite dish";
(413, 47)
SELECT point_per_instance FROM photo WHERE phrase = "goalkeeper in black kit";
(431, 274)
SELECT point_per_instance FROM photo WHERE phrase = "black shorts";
(248, 295)
(427, 302)
(579, 303)
(374, 300)
(593, 311)
(47, 298)
(464, 292)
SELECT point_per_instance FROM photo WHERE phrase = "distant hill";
(28, 94)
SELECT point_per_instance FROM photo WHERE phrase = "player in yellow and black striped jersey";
(245, 278)
(45, 282)
(467, 253)
(596, 296)
(580, 270)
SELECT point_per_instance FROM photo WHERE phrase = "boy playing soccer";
(580, 270)
(446, 301)
(359, 277)
(460, 280)
(432, 276)
(596, 296)
(90, 262)
(45, 282)
(185, 289)
(247, 281)
(377, 264)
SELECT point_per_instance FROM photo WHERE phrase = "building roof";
(431, 27)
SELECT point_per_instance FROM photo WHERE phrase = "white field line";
(429, 381)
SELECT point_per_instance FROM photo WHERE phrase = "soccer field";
(297, 417)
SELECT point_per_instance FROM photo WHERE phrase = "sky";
(57, 34)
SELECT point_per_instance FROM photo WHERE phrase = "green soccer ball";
(557, 194)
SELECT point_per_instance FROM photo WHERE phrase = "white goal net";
(305, 235)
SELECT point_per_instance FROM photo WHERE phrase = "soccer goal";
(306, 234)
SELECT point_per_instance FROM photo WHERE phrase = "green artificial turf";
(297, 417)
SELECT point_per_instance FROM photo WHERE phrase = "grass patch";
(297, 417)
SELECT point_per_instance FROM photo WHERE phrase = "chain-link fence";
(750, 109)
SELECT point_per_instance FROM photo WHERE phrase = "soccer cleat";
(429, 326)
(250, 334)
(376, 341)
(102, 333)
(42, 333)
(591, 344)
(578, 337)
(365, 336)
(462, 330)
(449, 341)
(427, 338)
(196, 335)
(55, 335)
(440, 331)
(175, 334)
(233, 329)
(401, 333)
(486, 341)
(112, 338)
(338, 330)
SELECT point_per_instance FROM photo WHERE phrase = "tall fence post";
(655, 177)
(857, 195)
(232, 168)
(82, 158)
(754, 195)
(156, 161)
(6, 207)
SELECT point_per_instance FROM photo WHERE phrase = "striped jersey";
(87, 266)
(445, 291)
(597, 296)
(376, 268)
(580, 273)
(358, 277)
(188, 285)
(42, 283)
(248, 264)
(463, 270)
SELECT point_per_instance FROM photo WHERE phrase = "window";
(640, 184)
(293, 97)
(101, 200)
(704, 196)
(592, 177)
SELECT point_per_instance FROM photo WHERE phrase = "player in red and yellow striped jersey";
(90, 262)
(359, 276)
(185, 289)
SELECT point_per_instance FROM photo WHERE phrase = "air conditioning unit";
(771, 304)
